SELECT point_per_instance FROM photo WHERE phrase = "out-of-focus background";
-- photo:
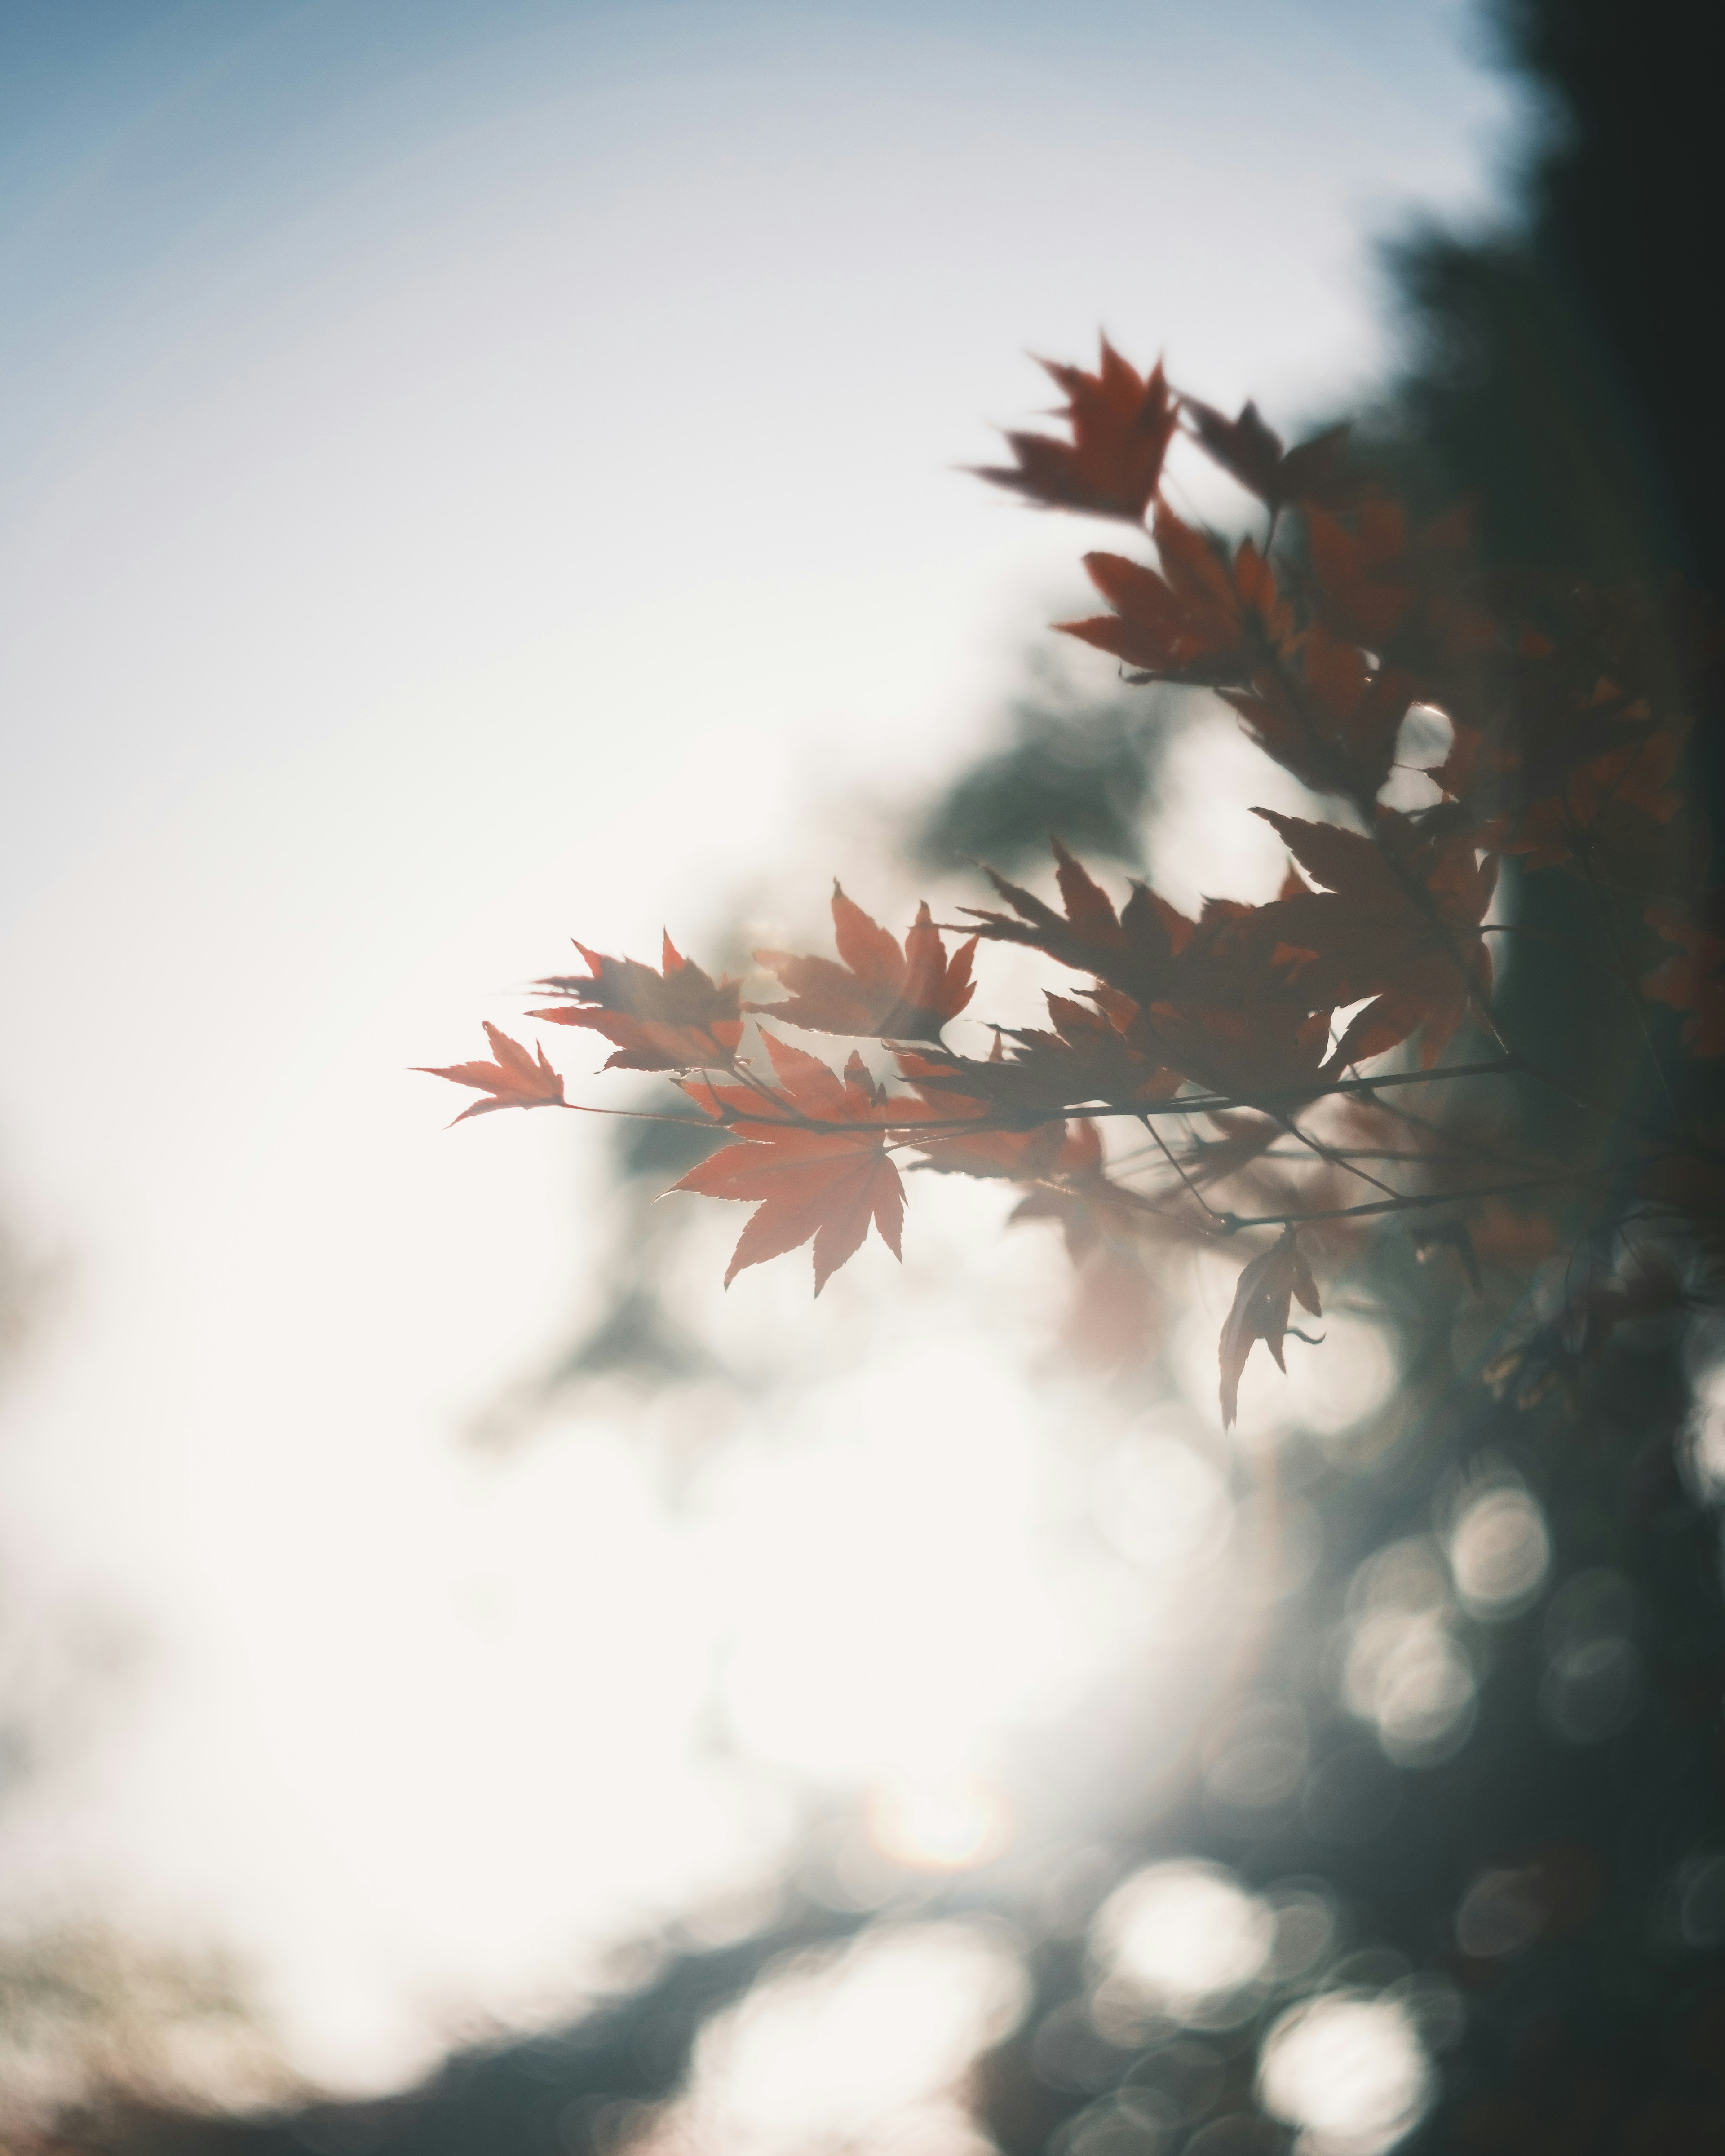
(475, 474)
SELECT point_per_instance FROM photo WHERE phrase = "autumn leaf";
(1134, 949)
(1084, 1056)
(1367, 933)
(1261, 1301)
(877, 988)
(1089, 1054)
(1617, 820)
(1333, 722)
(1586, 687)
(1213, 1001)
(1692, 979)
(991, 1152)
(1262, 1049)
(1242, 1143)
(1315, 472)
(1077, 1194)
(1403, 594)
(675, 1019)
(1363, 578)
(514, 1081)
(1188, 623)
(824, 1184)
(1573, 758)
(1007, 1156)
(955, 1091)
(1566, 706)
(1122, 423)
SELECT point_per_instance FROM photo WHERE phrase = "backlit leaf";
(875, 987)
(675, 1019)
(1122, 423)
(808, 1183)
(516, 1079)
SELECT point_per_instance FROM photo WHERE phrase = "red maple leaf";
(514, 1080)
(1254, 1048)
(956, 1090)
(1397, 592)
(1334, 723)
(1367, 932)
(826, 1183)
(1692, 979)
(1617, 818)
(1316, 471)
(878, 989)
(1010, 1156)
(1261, 1300)
(1212, 1001)
(1363, 579)
(1121, 424)
(1188, 623)
(1134, 949)
(1087, 1056)
(1076, 1191)
(675, 1019)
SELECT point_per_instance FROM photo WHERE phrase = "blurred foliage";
(93, 2006)
(572, 2092)
(1084, 771)
(1561, 374)
(637, 1334)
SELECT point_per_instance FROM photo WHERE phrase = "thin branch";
(1236, 1221)
(1329, 1154)
(906, 1127)
(1162, 1144)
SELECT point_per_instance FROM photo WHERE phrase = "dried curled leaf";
(1261, 1301)
(516, 1079)
(1122, 423)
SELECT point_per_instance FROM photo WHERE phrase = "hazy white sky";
(473, 475)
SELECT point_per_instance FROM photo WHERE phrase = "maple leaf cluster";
(1254, 1055)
